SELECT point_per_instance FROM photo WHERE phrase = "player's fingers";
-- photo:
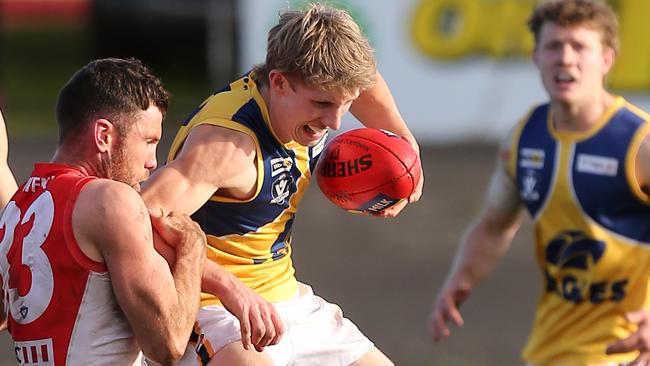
(639, 316)
(258, 329)
(245, 327)
(440, 329)
(394, 210)
(417, 193)
(278, 325)
(624, 345)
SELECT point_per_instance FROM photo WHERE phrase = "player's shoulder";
(210, 137)
(109, 199)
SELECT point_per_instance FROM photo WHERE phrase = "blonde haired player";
(580, 165)
(241, 164)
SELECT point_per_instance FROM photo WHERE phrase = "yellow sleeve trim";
(630, 162)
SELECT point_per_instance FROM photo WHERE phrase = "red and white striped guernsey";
(59, 303)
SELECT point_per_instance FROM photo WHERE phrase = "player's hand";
(446, 309)
(417, 192)
(260, 323)
(180, 231)
(638, 341)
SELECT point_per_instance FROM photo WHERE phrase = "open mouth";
(564, 78)
(314, 131)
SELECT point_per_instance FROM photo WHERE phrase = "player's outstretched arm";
(376, 108)
(215, 158)
(110, 221)
(482, 248)
(8, 184)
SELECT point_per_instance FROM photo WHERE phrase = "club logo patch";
(571, 259)
(531, 158)
(280, 165)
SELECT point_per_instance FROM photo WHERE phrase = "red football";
(367, 170)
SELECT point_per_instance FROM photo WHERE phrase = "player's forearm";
(376, 108)
(216, 280)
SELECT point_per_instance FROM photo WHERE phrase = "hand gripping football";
(368, 170)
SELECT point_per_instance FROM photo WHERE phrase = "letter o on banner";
(446, 28)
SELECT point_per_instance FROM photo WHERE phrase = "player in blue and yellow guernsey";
(580, 165)
(241, 164)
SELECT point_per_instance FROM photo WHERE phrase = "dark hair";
(108, 88)
(592, 13)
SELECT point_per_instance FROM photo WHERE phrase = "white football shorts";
(315, 333)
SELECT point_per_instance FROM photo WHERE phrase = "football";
(367, 170)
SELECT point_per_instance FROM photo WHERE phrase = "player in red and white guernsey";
(82, 282)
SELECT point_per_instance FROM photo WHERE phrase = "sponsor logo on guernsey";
(571, 259)
(529, 186)
(280, 189)
(279, 165)
(38, 352)
(531, 158)
(599, 165)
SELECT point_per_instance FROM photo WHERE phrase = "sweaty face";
(303, 113)
(133, 155)
(572, 61)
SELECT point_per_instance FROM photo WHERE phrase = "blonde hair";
(320, 46)
(591, 13)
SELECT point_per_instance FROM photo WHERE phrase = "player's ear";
(102, 130)
(278, 81)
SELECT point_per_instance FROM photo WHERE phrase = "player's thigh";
(374, 357)
(234, 354)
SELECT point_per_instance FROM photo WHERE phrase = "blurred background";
(460, 71)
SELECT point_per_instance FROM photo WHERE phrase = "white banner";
(458, 69)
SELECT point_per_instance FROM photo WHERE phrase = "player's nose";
(333, 119)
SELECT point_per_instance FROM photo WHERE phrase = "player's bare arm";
(7, 181)
(483, 246)
(217, 159)
(639, 340)
(109, 220)
(376, 108)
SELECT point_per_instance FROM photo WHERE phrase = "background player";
(81, 279)
(241, 164)
(581, 166)
(7, 181)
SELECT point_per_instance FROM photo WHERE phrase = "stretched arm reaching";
(376, 108)
(485, 243)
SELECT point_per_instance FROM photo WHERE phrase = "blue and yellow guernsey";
(252, 238)
(592, 228)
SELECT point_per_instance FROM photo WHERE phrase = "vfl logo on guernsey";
(594, 164)
(531, 158)
(280, 189)
(529, 186)
(571, 258)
